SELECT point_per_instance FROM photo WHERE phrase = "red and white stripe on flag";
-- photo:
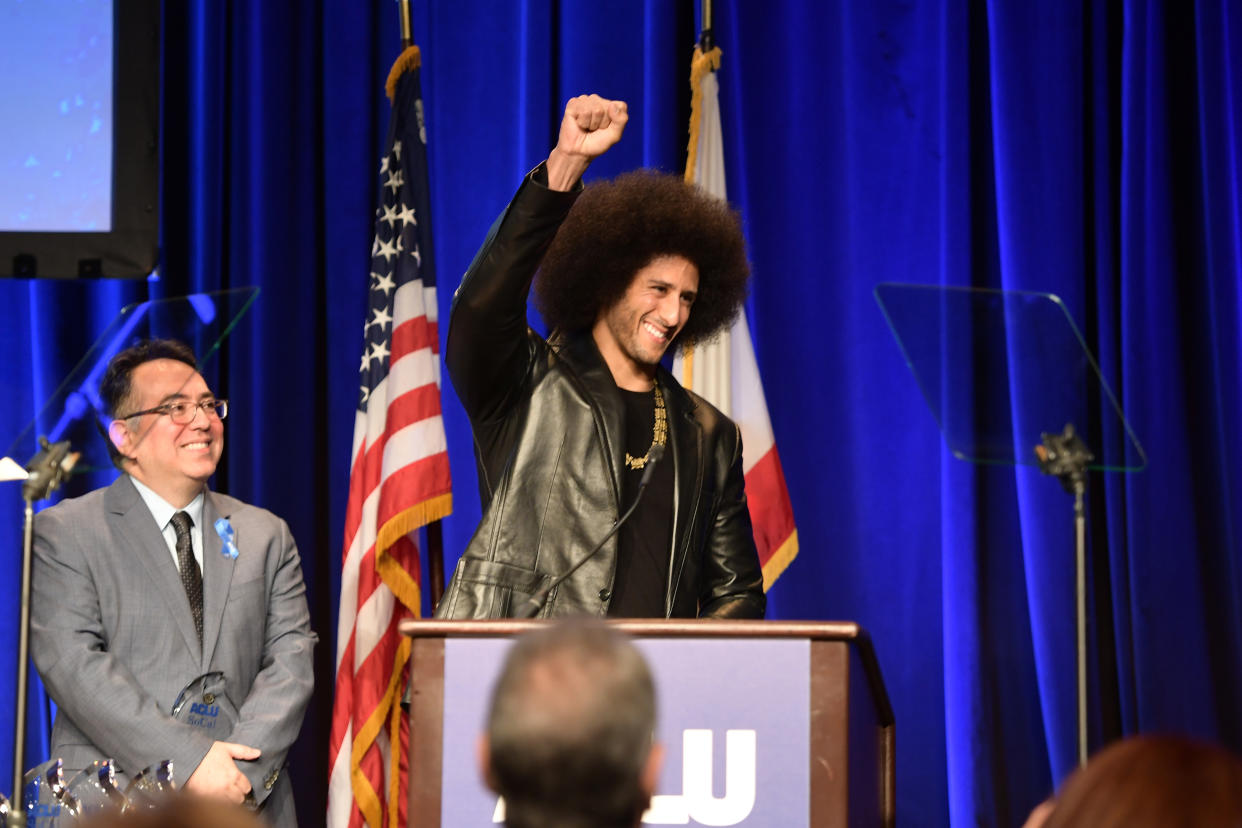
(399, 481)
(724, 372)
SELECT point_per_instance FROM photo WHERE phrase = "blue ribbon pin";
(225, 530)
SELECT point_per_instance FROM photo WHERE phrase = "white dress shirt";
(162, 511)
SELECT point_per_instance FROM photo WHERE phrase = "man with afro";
(567, 427)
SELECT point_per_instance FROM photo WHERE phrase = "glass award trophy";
(1010, 380)
(92, 791)
(44, 793)
(150, 786)
(204, 703)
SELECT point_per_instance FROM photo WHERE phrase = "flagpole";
(706, 42)
(435, 531)
(435, 562)
(407, 30)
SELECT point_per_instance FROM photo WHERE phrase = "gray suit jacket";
(113, 637)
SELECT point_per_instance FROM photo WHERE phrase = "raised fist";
(591, 125)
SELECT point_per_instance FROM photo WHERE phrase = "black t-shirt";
(643, 543)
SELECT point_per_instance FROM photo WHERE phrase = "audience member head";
(1156, 781)
(180, 810)
(569, 737)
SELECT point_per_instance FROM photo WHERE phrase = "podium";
(790, 718)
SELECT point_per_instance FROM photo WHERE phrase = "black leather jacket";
(548, 431)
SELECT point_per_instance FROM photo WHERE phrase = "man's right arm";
(489, 351)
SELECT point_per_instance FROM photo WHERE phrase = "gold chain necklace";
(658, 436)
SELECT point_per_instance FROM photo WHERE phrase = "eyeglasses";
(183, 412)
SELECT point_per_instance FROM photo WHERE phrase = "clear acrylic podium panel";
(75, 412)
(1000, 368)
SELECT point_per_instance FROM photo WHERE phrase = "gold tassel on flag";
(700, 65)
(408, 60)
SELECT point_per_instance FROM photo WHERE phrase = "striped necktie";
(191, 577)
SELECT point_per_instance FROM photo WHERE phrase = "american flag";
(724, 372)
(398, 482)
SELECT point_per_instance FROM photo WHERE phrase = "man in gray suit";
(147, 584)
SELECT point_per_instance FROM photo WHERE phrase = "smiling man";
(144, 586)
(566, 428)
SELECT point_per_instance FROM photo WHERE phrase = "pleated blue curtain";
(1179, 323)
(1090, 150)
(1084, 149)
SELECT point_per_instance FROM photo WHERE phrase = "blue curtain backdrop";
(1088, 149)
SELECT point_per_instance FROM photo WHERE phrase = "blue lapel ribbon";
(225, 530)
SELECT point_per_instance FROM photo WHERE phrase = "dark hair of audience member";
(179, 810)
(1156, 781)
(570, 729)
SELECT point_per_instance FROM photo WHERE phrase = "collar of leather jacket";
(579, 352)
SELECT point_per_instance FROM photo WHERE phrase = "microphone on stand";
(530, 608)
(48, 468)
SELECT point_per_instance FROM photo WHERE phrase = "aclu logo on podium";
(697, 801)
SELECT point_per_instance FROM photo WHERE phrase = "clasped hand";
(218, 776)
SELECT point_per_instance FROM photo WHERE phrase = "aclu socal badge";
(204, 703)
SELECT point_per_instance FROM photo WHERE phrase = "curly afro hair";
(618, 227)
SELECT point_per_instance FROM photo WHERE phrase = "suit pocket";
(488, 589)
